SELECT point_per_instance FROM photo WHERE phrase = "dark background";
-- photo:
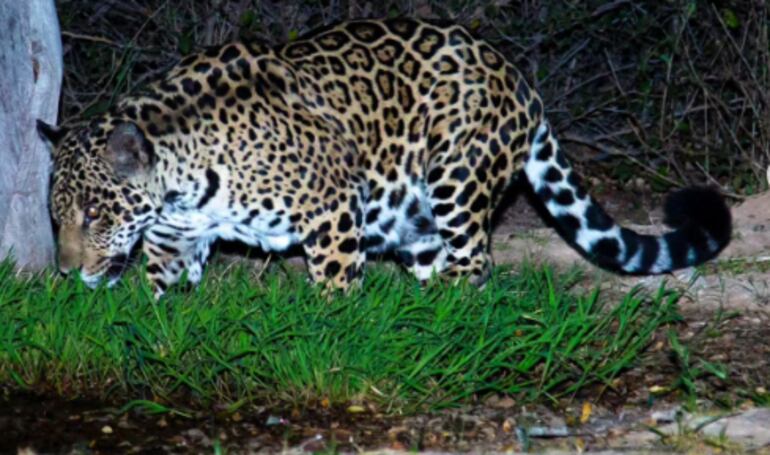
(650, 95)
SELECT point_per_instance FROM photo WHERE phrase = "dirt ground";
(726, 314)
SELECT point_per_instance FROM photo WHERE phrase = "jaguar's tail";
(699, 216)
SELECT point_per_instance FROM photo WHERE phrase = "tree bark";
(30, 83)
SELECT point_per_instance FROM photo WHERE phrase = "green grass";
(241, 338)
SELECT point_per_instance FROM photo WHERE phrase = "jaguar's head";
(100, 202)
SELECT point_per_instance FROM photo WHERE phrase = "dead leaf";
(585, 413)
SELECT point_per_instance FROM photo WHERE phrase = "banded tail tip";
(701, 208)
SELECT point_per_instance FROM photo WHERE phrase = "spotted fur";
(366, 137)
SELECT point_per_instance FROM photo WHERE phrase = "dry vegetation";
(676, 92)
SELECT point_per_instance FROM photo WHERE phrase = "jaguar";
(366, 137)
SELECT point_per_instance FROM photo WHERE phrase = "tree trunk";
(30, 81)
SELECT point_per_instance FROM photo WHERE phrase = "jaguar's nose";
(64, 271)
(66, 265)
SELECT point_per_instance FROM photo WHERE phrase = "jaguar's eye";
(92, 213)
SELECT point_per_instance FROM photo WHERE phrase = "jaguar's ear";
(50, 134)
(128, 151)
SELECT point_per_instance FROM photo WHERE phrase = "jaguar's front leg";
(168, 256)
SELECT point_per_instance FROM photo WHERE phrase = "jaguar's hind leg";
(424, 257)
(462, 215)
(334, 250)
(468, 254)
